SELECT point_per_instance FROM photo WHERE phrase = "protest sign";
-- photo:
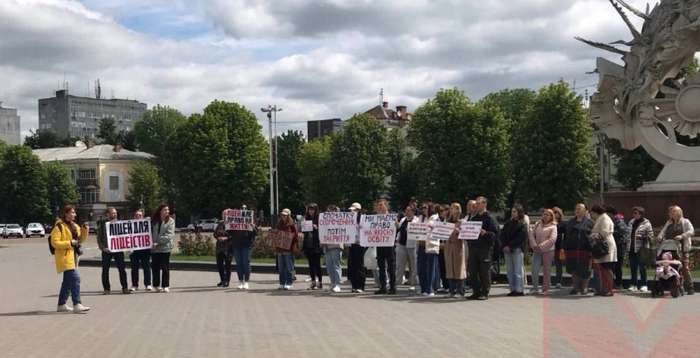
(280, 239)
(307, 226)
(417, 231)
(442, 231)
(239, 220)
(470, 230)
(378, 230)
(129, 235)
(337, 227)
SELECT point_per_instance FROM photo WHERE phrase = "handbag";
(599, 248)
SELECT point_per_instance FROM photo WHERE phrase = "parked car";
(13, 230)
(204, 225)
(35, 229)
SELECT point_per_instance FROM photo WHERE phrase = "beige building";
(101, 173)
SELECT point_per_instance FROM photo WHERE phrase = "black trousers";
(315, 270)
(223, 263)
(386, 261)
(161, 262)
(140, 259)
(121, 266)
(443, 273)
(479, 266)
(617, 268)
(356, 266)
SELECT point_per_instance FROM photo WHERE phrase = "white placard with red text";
(128, 235)
(337, 227)
(378, 230)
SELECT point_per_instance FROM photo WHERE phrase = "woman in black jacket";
(312, 248)
(559, 256)
(513, 237)
(578, 249)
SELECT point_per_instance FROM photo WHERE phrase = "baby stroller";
(668, 277)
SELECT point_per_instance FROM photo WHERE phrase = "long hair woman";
(455, 265)
(312, 248)
(163, 234)
(66, 236)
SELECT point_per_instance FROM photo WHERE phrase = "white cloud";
(317, 59)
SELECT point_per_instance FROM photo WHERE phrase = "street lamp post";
(271, 112)
(601, 159)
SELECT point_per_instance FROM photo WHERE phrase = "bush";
(196, 244)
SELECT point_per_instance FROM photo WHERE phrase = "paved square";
(199, 320)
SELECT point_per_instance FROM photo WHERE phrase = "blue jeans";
(542, 260)
(71, 283)
(432, 274)
(285, 265)
(635, 266)
(515, 269)
(333, 265)
(242, 255)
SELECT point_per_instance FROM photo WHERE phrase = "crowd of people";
(592, 247)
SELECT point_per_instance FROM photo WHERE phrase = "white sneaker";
(149, 288)
(431, 294)
(133, 289)
(245, 285)
(424, 294)
(166, 289)
(79, 308)
(558, 285)
(632, 289)
(64, 308)
(158, 289)
(336, 288)
(240, 285)
(644, 289)
(286, 287)
(359, 291)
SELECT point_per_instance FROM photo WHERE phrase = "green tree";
(46, 138)
(127, 139)
(60, 188)
(107, 131)
(554, 160)
(23, 186)
(462, 149)
(403, 170)
(154, 134)
(226, 157)
(289, 147)
(514, 104)
(317, 184)
(145, 190)
(359, 160)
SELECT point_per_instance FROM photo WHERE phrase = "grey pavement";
(199, 320)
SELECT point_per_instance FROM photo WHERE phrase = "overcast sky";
(315, 58)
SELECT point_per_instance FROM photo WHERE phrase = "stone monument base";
(656, 203)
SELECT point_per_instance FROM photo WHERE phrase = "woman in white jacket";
(603, 231)
(676, 236)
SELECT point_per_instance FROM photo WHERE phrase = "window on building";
(86, 174)
(113, 183)
(89, 196)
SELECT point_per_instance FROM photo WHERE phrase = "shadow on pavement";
(32, 313)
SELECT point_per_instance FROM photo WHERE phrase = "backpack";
(620, 233)
(51, 249)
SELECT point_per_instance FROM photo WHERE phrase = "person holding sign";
(406, 249)
(65, 237)
(513, 237)
(312, 247)
(356, 259)
(542, 240)
(386, 257)
(333, 254)
(285, 258)
(107, 255)
(140, 258)
(163, 234)
(480, 252)
(242, 243)
(455, 268)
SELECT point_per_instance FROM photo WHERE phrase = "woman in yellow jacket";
(65, 237)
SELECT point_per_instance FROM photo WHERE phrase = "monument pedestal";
(656, 203)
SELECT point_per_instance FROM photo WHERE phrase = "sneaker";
(558, 285)
(106, 292)
(126, 291)
(79, 308)
(431, 294)
(644, 289)
(281, 287)
(245, 285)
(133, 289)
(149, 288)
(166, 289)
(158, 289)
(64, 308)
(632, 289)
(220, 284)
(240, 285)
(336, 288)
(313, 285)
(473, 297)
(534, 291)
(359, 291)
(226, 284)
(286, 287)
(424, 294)
(482, 298)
